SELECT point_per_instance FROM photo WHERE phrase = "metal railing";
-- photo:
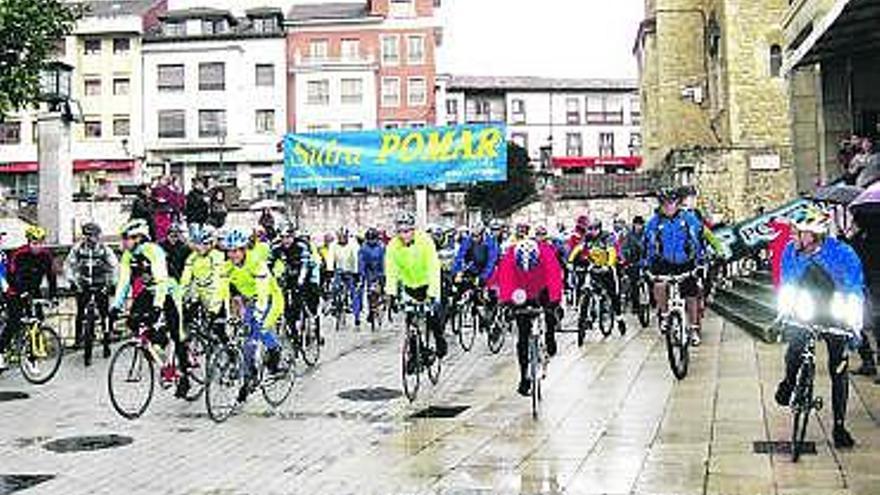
(609, 185)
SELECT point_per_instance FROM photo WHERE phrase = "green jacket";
(151, 256)
(201, 274)
(413, 266)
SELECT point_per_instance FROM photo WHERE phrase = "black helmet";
(372, 234)
(668, 194)
(91, 229)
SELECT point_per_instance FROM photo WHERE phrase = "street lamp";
(55, 84)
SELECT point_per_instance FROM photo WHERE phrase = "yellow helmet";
(34, 233)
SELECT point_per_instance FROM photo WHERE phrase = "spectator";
(865, 242)
(176, 251)
(177, 199)
(143, 207)
(267, 221)
(217, 208)
(196, 210)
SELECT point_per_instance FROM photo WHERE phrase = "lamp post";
(55, 202)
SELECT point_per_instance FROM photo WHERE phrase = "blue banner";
(395, 157)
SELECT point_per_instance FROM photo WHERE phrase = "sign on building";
(396, 157)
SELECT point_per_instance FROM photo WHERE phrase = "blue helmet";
(235, 239)
(202, 236)
(527, 255)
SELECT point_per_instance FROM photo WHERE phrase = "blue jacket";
(835, 257)
(464, 259)
(676, 240)
(4, 284)
(371, 261)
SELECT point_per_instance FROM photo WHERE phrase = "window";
(518, 110)
(265, 121)
(92, 126)
(452, 107)
(635, 110)
(214, 26)
(319, 49)
(212, 76)
(574, 145)
(390, 91)
(121, 46)
(635, 144)
(265, 75)
(478, 110)
(319, 128)
(265, 24)
(170, 78)
(416, 124)
(10, 133)
(212, 123)
(606, 144)
(120, 86)
(417, 91)
(520, 139)
(604, 109)
(318, 92)
(401, 8)
(572, 111)
(351, 49)
(172, 124)
(415, 50)
(390, 50)
(92, 86)
(352, 90)
(174, 28)
(121, 125)
(92, 46)
(391, 125)
(775, 61)
(352, 127)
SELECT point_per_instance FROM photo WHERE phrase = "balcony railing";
(609, 185)
(306, 61)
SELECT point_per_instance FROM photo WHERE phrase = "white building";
(572, 125)
(215, 94)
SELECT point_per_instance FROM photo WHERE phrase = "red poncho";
(547, 275)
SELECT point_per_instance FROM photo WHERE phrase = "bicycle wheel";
(88, 329)
(496, 333)
(802, 404)
(131, 380)
(198, 351)
(434, 363)
(534, 375)
(604, 315)
(677, 342)
(310, 345)
(465, 323)
(277, 387)
(411, 368)
(225, 379)
(643, 308)
(40, 352)
(583, 320)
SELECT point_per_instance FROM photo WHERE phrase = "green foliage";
(497, 197)
(29, 30)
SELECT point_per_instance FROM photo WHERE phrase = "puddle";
(11, 483)
(87, 443)
(374, 394)
(11, 395)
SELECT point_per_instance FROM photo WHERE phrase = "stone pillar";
(55, 206)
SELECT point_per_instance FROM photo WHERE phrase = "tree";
(497, 197)
(29, 31)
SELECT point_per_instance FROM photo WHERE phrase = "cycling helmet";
(638, 220)
(668, 194)
(686, 191)
(235, 239)
(34, 233)
(176, 227)
(541, 231)
(343, 232)
(812, 219)
(405, 221)
(287, 229)
(496, 225)
(135, 227)
(203, 236)
(583, 221)
(527, 255)
(329, 237)
(523, 229)
(303, 235)
(372, 234)
(91, 229)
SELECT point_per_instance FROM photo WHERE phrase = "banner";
(395, 157)
(742, 239)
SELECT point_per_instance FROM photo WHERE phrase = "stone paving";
(614, 421)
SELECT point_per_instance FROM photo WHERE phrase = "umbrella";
(868, 203)
(841, 194)
(871, 173)
(272, 204)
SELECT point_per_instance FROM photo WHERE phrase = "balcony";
(305, 63)
(801, 16)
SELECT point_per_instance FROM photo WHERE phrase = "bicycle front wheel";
(411, 368)
(310, 344)
(131, 380)
(225, 379)
(495, 334)
(605, 316)
(465, 323)
(802, 404)
(534, 375)
(40, 353)
(643, 309)
(434, 363)
(198, 352)
(277, 387)
(677, 342)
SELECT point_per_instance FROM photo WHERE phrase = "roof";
(328, 11)
(195, 13)
(109, 8)
(264, 12)
(533, 83)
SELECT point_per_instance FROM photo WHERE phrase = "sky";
(551, 38)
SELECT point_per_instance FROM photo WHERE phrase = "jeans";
(103, 304)
(349, 283)
(257, 334)
(838, 362)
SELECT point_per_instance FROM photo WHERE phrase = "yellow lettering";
(301, 153)
(390, 144)
(465, 146)
(439, 150)
(409, 153)
(489, 140)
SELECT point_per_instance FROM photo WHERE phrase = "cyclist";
(597, 252)
(263, 302)
(4, 282)
(345, 268)
(176, 251)
(91, 267)
(28, 266)
(475, 263)
(580, 230)
(412, 264)
(296, 267)
(198, 282)
(534, 268)
(259, 247)
(824, 265)
(632, 251)
(673, 246)
(371, 265)
(325, 251)
(143, 274)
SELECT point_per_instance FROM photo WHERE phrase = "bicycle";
(134, 365)
(594, 306)
(674, 324)
(92, 317)
(340, 301)
(303, 332)
(375, 305)
(538, 358)
(35, 346)
(642, 301)
(464, 315)
(240, 364)
(418, 354)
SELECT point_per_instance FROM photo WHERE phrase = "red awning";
(631, 162)
(78, 166)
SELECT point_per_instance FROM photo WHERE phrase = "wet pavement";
(614, 421)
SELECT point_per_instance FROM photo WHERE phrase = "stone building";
(714, 101)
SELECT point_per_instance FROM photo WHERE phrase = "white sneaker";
(695, 339)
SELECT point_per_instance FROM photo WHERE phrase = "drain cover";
(11, 483)
(808, 448)
(375, 394)
(6, 396)
(87, 443)
(440, 412)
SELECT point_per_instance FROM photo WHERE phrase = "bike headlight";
(804, 306)
(519, 297)
(848, 310)
(787, 299)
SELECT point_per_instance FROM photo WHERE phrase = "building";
(105, 51)
(571, 125)
(361, 65)
(715, 100)
(832, 60)
(215, 91)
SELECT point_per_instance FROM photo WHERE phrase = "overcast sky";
(555, 38)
